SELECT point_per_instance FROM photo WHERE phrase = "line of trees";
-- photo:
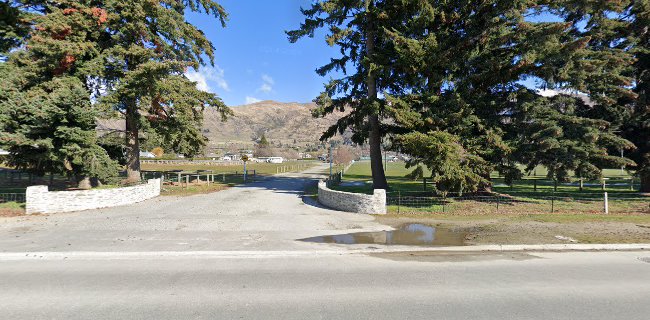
(456, 85)
(68, 63)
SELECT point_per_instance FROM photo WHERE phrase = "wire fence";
(612, 203)
(180, 177)
(292, 168)
(12, 197)
(336, 176)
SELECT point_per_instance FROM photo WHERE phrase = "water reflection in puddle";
(413, 234)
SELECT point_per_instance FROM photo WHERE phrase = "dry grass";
(12, 209)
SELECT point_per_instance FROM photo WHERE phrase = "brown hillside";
(290, 124)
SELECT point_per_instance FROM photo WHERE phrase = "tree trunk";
(132, 143)
(374, 140)
(645, 180)
(83, 182)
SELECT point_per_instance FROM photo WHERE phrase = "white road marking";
(134, 255)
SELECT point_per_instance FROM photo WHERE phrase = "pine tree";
(355, 27)
(47, 119)
(17, 20)
(614, 70)
(638, 129)
(263, 143)
(146, 50)
(460, 65)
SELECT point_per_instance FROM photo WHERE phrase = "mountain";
(284, 124)
(288, 124)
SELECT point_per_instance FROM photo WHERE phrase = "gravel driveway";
(266, 215)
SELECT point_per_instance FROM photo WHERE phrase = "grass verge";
(12, 209)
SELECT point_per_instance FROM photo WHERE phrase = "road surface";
(577, 285)
(234, 255)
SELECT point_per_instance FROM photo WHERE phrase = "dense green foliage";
(357, 28)
(84, 60)
(48, 120)
(637, 129)
(15, 23)
(452, 77)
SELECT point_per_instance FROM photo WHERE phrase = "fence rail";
(419, 202)
(12, 197)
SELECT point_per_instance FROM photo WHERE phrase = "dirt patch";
(528, 230)
(11, 212)
(423, 256)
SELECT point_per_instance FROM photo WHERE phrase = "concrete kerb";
(131, 255)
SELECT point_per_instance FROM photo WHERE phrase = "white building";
(275, 160)
(147, 154)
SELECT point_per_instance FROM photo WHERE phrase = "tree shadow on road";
(303, 187)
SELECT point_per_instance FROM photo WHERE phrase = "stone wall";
(352, 202)
(40, 200)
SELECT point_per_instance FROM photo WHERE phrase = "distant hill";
(289, 124)
(284, 124)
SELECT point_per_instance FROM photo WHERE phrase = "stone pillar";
(379, 201)
(37, 200)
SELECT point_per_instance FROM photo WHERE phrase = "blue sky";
(255, 61)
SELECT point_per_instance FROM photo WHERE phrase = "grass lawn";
(231, 173)
(617, 181)
(532, 195)
(60, 183)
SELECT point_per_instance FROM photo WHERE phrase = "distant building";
(231, 157)
(4, 152)
(147, 154)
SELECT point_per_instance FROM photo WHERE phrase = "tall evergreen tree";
(130, 57)
(47, 119)
(638, 129)
(614, 70)
(460, 67)
(146, 50)
(356, 28)
(16, 21)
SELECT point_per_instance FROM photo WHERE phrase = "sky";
(254, 61)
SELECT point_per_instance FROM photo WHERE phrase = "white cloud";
(266, 88)
(250, 100)
(208, 76)
(267, 84)
(267, 79)
(201, 82)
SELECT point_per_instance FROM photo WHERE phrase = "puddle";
(454, 256)
(409, 235)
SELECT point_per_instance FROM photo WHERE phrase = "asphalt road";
(234, 255)
(577, 285)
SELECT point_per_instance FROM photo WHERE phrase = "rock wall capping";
(352, 202)
(40, 200)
